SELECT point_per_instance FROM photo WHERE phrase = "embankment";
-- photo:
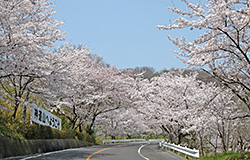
(10, 147)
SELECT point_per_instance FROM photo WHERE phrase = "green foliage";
(17, 130)
(35, 131)
(8, 126)
(228, 156)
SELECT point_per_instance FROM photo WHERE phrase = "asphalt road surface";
(127, 151)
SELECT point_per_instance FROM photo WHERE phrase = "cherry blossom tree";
(195, 113)
(108, 124)
(85, 88)
(110, 91)
(188, 110)
(27, 31)
(224, 45)
(65, 88)
(125, 121)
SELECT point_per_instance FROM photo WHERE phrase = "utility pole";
(25, 107)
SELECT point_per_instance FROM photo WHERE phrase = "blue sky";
(123, 32)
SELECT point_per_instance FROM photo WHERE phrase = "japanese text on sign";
(43, 117)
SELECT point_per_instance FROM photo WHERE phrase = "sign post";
(45, 118)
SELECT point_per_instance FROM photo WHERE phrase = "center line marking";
(101, 151)
(139, 152)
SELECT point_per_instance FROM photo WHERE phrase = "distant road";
(127, 151)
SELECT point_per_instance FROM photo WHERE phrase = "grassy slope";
(16, 129)
(228, 156)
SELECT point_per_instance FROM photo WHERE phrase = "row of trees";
(186, 111)
(79, 85)
(69, 78)
(224, 45)
(223, 52)
(27, 32)
(209, 115)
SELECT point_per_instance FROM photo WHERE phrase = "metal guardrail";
(156, 140)
(187, 151)
(122, 140)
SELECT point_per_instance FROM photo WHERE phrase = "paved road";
(127, 151)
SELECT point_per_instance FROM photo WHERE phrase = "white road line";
(139, 152)
(48, 153)
(32, 157)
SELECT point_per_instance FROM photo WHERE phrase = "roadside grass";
(223, 156)
(228, 156)
(25, 131)
(220, 156)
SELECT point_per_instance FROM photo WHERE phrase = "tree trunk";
(170, 135)
(80, 128)
(129, 136)
(25, 108)
(201, 143)
(89, 130)
(180, 137)
(15, 110)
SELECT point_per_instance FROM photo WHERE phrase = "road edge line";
(139, 152)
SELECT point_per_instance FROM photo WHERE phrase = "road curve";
(127, 151)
